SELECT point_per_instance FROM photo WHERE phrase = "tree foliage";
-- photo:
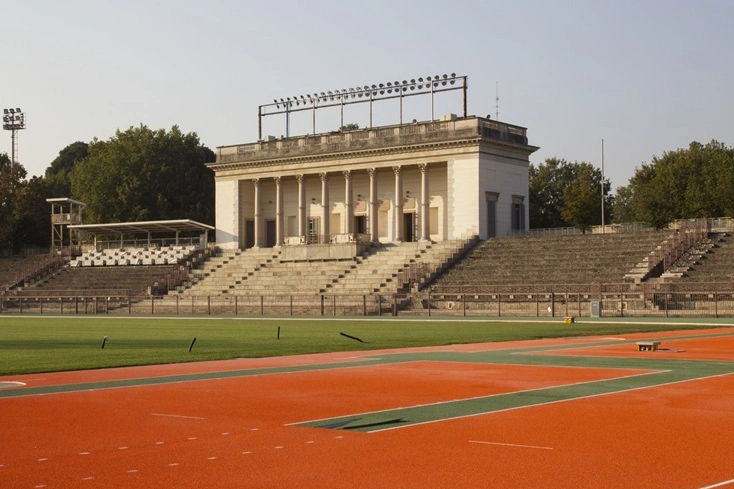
(24, 212)
(685, 183)
(141, 175)
(623, 212)
(567, 194)
(58, 174)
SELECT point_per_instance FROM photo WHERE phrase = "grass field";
(47, 344)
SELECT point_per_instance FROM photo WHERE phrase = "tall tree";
(581, 200)
(24, 213)
(686, 183)
(623, 212)
(548, 182)
(58, 174)
(140, 174)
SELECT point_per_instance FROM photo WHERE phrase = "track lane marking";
(176, 416)
(510, 445)
(720, 484)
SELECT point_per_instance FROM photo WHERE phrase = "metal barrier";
(613, 301)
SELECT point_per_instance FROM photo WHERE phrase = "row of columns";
(372, 208)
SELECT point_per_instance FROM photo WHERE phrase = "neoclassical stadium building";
(437, 180)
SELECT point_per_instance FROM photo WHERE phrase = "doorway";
(249, 233)
(409, 226)
(270, 233)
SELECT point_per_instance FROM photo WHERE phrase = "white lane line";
(173, 465)
(84, 453)
(122, 448)
(510, 445)
(132, 471)
(11, 384)
(191, 438)
(42, 459)
(212, 458)
(87, 478)
(160, 442)
(246, 453)
(176, 416)
(720, 484)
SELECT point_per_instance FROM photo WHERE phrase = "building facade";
(437, 180)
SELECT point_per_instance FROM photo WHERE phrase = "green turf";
(45, 344)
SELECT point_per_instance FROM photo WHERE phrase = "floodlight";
(422, 85)
(12, 111)
(5, 111)
(17, 110)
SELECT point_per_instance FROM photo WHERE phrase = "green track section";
(661, 368)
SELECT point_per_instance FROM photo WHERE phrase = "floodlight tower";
(13, 121)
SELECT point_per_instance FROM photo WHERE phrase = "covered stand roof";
(144, 227)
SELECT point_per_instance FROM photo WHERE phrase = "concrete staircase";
(384, 269)
(227, 269)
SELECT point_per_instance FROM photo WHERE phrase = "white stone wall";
(463, 199)
(507, 178)
(227, 213)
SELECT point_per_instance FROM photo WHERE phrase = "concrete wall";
(227, 213)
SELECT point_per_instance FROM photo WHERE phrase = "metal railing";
(608, 300)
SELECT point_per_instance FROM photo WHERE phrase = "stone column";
(398, 210)
(258, 215)
(348, 202)
(425, 201)
(279, 224)
(325, 208)
(373, 205)
(302, 230)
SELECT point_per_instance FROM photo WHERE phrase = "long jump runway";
(579, 412)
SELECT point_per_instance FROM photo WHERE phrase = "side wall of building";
(227, 213)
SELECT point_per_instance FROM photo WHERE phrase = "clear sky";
(647, 76)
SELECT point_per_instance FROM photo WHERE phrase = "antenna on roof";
(497, 101)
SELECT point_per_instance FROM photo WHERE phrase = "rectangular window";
(491, 198)
(518, 213)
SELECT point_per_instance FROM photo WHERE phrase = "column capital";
(324, 177)
(397, 169)
(277, 180)
(423, 167)
(256, 182)
(371, 172)
(300, 178)
(347, 174)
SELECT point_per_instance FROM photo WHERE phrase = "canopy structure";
(147, 228)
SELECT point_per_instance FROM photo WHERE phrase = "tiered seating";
(134, 256)
(14, 269)
(100, 281)
(387, 268)
(576, 259)
(713, 267)
(384, 269)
